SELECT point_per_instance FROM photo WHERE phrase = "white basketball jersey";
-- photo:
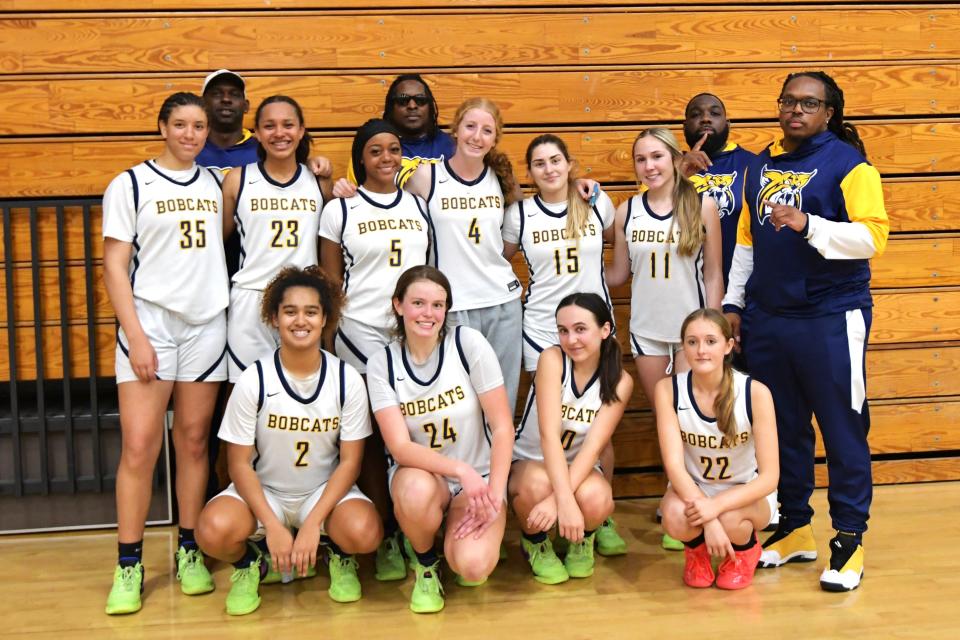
(467, 217)
(381, 238)
(443, 411)
(666, 286)
(707, 459)
(173, 220)
(558, 265)
(578, 408)
(277, 223)
(297, 437)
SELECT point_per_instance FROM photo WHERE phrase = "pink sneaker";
(697, 572)
(738, 574)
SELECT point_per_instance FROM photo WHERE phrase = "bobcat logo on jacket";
(781, 187)
(717, 186)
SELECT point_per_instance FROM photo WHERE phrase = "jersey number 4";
(437, 436)
(721, 465)
(474, 231)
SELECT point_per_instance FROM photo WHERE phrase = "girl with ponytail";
(718, 441)
(466, 197)
(579, 394)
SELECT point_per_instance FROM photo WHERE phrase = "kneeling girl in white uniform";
(718, 440)
(295, 427)
(161, 227)
(577, 400)
(275, 204)
(439, 398)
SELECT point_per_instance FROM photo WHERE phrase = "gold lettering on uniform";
(294, 424)
(432, 404)
(577, 414)
(175, 205)
(713, 441)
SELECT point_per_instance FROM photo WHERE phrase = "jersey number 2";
(303, 447)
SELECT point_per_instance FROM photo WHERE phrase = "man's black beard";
(714, 144)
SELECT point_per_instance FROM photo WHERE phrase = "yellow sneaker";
(782, 547)
(846, 564)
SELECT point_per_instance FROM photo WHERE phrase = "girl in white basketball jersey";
(439, 398)
(295, 427)
(161, 228)
(718, 440)
(561, 236)
(367, 240)
(576, 402)
(467, 195)
(668, 239)
(275, 205)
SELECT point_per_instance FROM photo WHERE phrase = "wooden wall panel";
(274, 5)
(56, 44)
(929, 260)
(82, 166)
(129, 104)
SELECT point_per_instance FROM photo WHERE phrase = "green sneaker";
(273, 577)
(125, 593)
(192, 572)
(244, 596)
(671, 544)
(344, 583)
(579, 560)
(609, 542)
(547, 567)
(427, 596)
(390, 562)
(412, 561)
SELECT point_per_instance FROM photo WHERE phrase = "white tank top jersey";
(296, 425)
(439, 399)
(666, 286)
(277, 223)
(558, 265)
(381, 235)
(467, 217)
(173, 220)
(706, 458)
(578, 409)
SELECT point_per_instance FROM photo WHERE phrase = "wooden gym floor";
(54, 586)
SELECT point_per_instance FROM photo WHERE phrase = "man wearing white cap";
(228, 144)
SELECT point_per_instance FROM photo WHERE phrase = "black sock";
(428, 558)
(535, 538)
(250, 555)
(262, 546)
(129, 553)
(696, 542)
(746, 545)
(587, 534)
(390, 527)
(185, 539)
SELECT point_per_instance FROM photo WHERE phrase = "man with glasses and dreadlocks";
(801, 278)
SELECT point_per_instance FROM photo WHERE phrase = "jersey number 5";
(396, 253)
(446, 432)
(721, 463)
